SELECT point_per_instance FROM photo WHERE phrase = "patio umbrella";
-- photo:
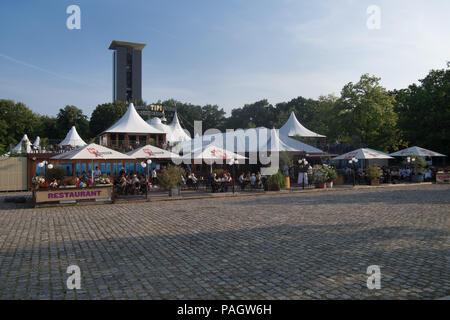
(416, 151)
(364, 154)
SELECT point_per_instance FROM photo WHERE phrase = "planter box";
(339, 180)
(375, 182)
(321, 185)
(330, 184)
(272, 187)
(417, 178)
(442, 178)
(72, 195)
(174, 192)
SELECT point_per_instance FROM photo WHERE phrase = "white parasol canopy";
(73, 139)
(131, 122)
(178, 133)
(211, 154)
(416, 151)
(364, 154)
(151, 152)
(93, 152)
(293, 127)
(18, 147)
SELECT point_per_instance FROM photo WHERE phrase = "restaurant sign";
(73, 194)
(443, 178)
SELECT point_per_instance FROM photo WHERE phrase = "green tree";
(424, 112)
(105, 115)
(71, 116)
(213, 117)
(16, 119)
(258, 114)
(366, 114)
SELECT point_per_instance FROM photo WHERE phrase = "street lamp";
(232, 163)
(303, 163)
(44, 164)
(353, 162)
(149, 165)
(143, 165)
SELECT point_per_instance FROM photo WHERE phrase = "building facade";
(127, 70)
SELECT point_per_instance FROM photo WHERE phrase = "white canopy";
(212, 154)
(73, 139)
(416, 151)
(150, 151)
(157, 123)
(131, 122)
(18, 147)
(249, 141)
(178, 133)
(364, 154)
(37, 142)
(294, 128)
(92, 152)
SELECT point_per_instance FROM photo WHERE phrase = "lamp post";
(232, 163)
(144, 165)
(149, 164)
(303, 163)
(353, 162)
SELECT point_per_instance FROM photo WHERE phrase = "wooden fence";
(13, 174)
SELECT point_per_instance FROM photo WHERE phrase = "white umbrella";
(364, 154)
(152, 152)
(416, 151)
(93, 152)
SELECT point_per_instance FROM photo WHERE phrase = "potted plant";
(275, 182)
(419, 165)
(319, 177)
(331, 176)
(373, 174)
(170, 180)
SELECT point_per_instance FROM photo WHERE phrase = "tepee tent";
(293, 127)
(132, 122)
(19, 147)
(157, 123)
(178, 133)
(72, 139)
(37, 143)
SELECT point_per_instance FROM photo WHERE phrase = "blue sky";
(220, 52)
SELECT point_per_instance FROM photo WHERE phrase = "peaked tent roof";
(131, 122)
(152, 152)
(93, 152)
(37, 142)
(212, 154)
(416, 151)
(178, 133)
(249, 140)
(293, 127)
(18, 147)
(364, 154)
(157, 123)
(73, 139)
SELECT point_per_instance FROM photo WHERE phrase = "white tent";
(294, 128)
(416, 151)
(157, 123)
(37, 144)
(151, 152)
(19, 147)
(363, 154)
(178, 133)
(249, 141)
(131, 122)
(92, 152)
(72, 139)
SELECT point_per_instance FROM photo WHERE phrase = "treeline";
(364, 114)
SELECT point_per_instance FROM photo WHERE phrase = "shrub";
(319, 174)
(331, 174)
(171, 177)
(419, 164)
(277, 180)
(57, 172)
(373, 172)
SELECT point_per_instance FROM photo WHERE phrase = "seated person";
(253, 180)
(242, 181)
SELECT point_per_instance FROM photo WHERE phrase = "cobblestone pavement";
(294, 246)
